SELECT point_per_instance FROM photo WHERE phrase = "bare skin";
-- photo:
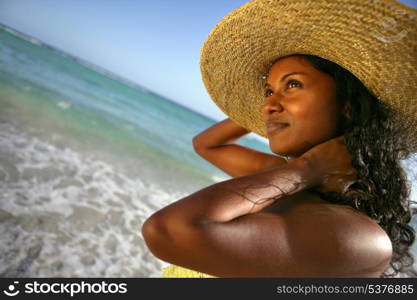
(266, 222)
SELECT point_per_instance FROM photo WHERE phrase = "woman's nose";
(273, 104)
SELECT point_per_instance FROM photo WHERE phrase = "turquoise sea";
(85, 158)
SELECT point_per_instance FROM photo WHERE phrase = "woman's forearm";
(227, 200)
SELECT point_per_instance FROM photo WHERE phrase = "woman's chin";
(290, 150)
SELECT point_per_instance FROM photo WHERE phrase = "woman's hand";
(331, 167)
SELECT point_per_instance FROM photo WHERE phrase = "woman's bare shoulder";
(350, 221)
(360, 237)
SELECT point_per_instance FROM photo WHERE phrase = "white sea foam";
(64, 104)
(67, 214)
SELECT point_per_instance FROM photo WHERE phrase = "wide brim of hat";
(376, 40)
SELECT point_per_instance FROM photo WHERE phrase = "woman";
(338, 206)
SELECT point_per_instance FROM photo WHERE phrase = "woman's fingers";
(332, 165)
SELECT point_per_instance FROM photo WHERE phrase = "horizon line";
(94, 67)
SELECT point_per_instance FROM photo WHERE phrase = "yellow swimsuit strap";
(173, 271)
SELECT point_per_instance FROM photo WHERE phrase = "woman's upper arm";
(268, 245)
(217, 144)
(237, 160)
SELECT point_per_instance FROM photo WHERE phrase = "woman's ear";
(346, 111)
(346, 118)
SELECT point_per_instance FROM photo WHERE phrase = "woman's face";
(304, 99)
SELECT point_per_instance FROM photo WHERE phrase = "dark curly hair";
(377, 141)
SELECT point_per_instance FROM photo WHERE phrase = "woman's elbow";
(155, 234)
(167, 235)
(149, 229)
(197, 145)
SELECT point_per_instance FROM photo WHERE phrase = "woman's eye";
(269, 93)
(293, 83)
(290, 84)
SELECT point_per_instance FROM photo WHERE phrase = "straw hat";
(376, 40)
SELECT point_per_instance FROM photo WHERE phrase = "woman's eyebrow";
(285, 76)
(289, 74)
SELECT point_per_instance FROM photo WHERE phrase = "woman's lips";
(271, 127)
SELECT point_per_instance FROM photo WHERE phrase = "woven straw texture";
(376, 40)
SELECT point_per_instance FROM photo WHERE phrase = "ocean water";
(85, 158)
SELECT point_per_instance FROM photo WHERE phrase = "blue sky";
(153, 43)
